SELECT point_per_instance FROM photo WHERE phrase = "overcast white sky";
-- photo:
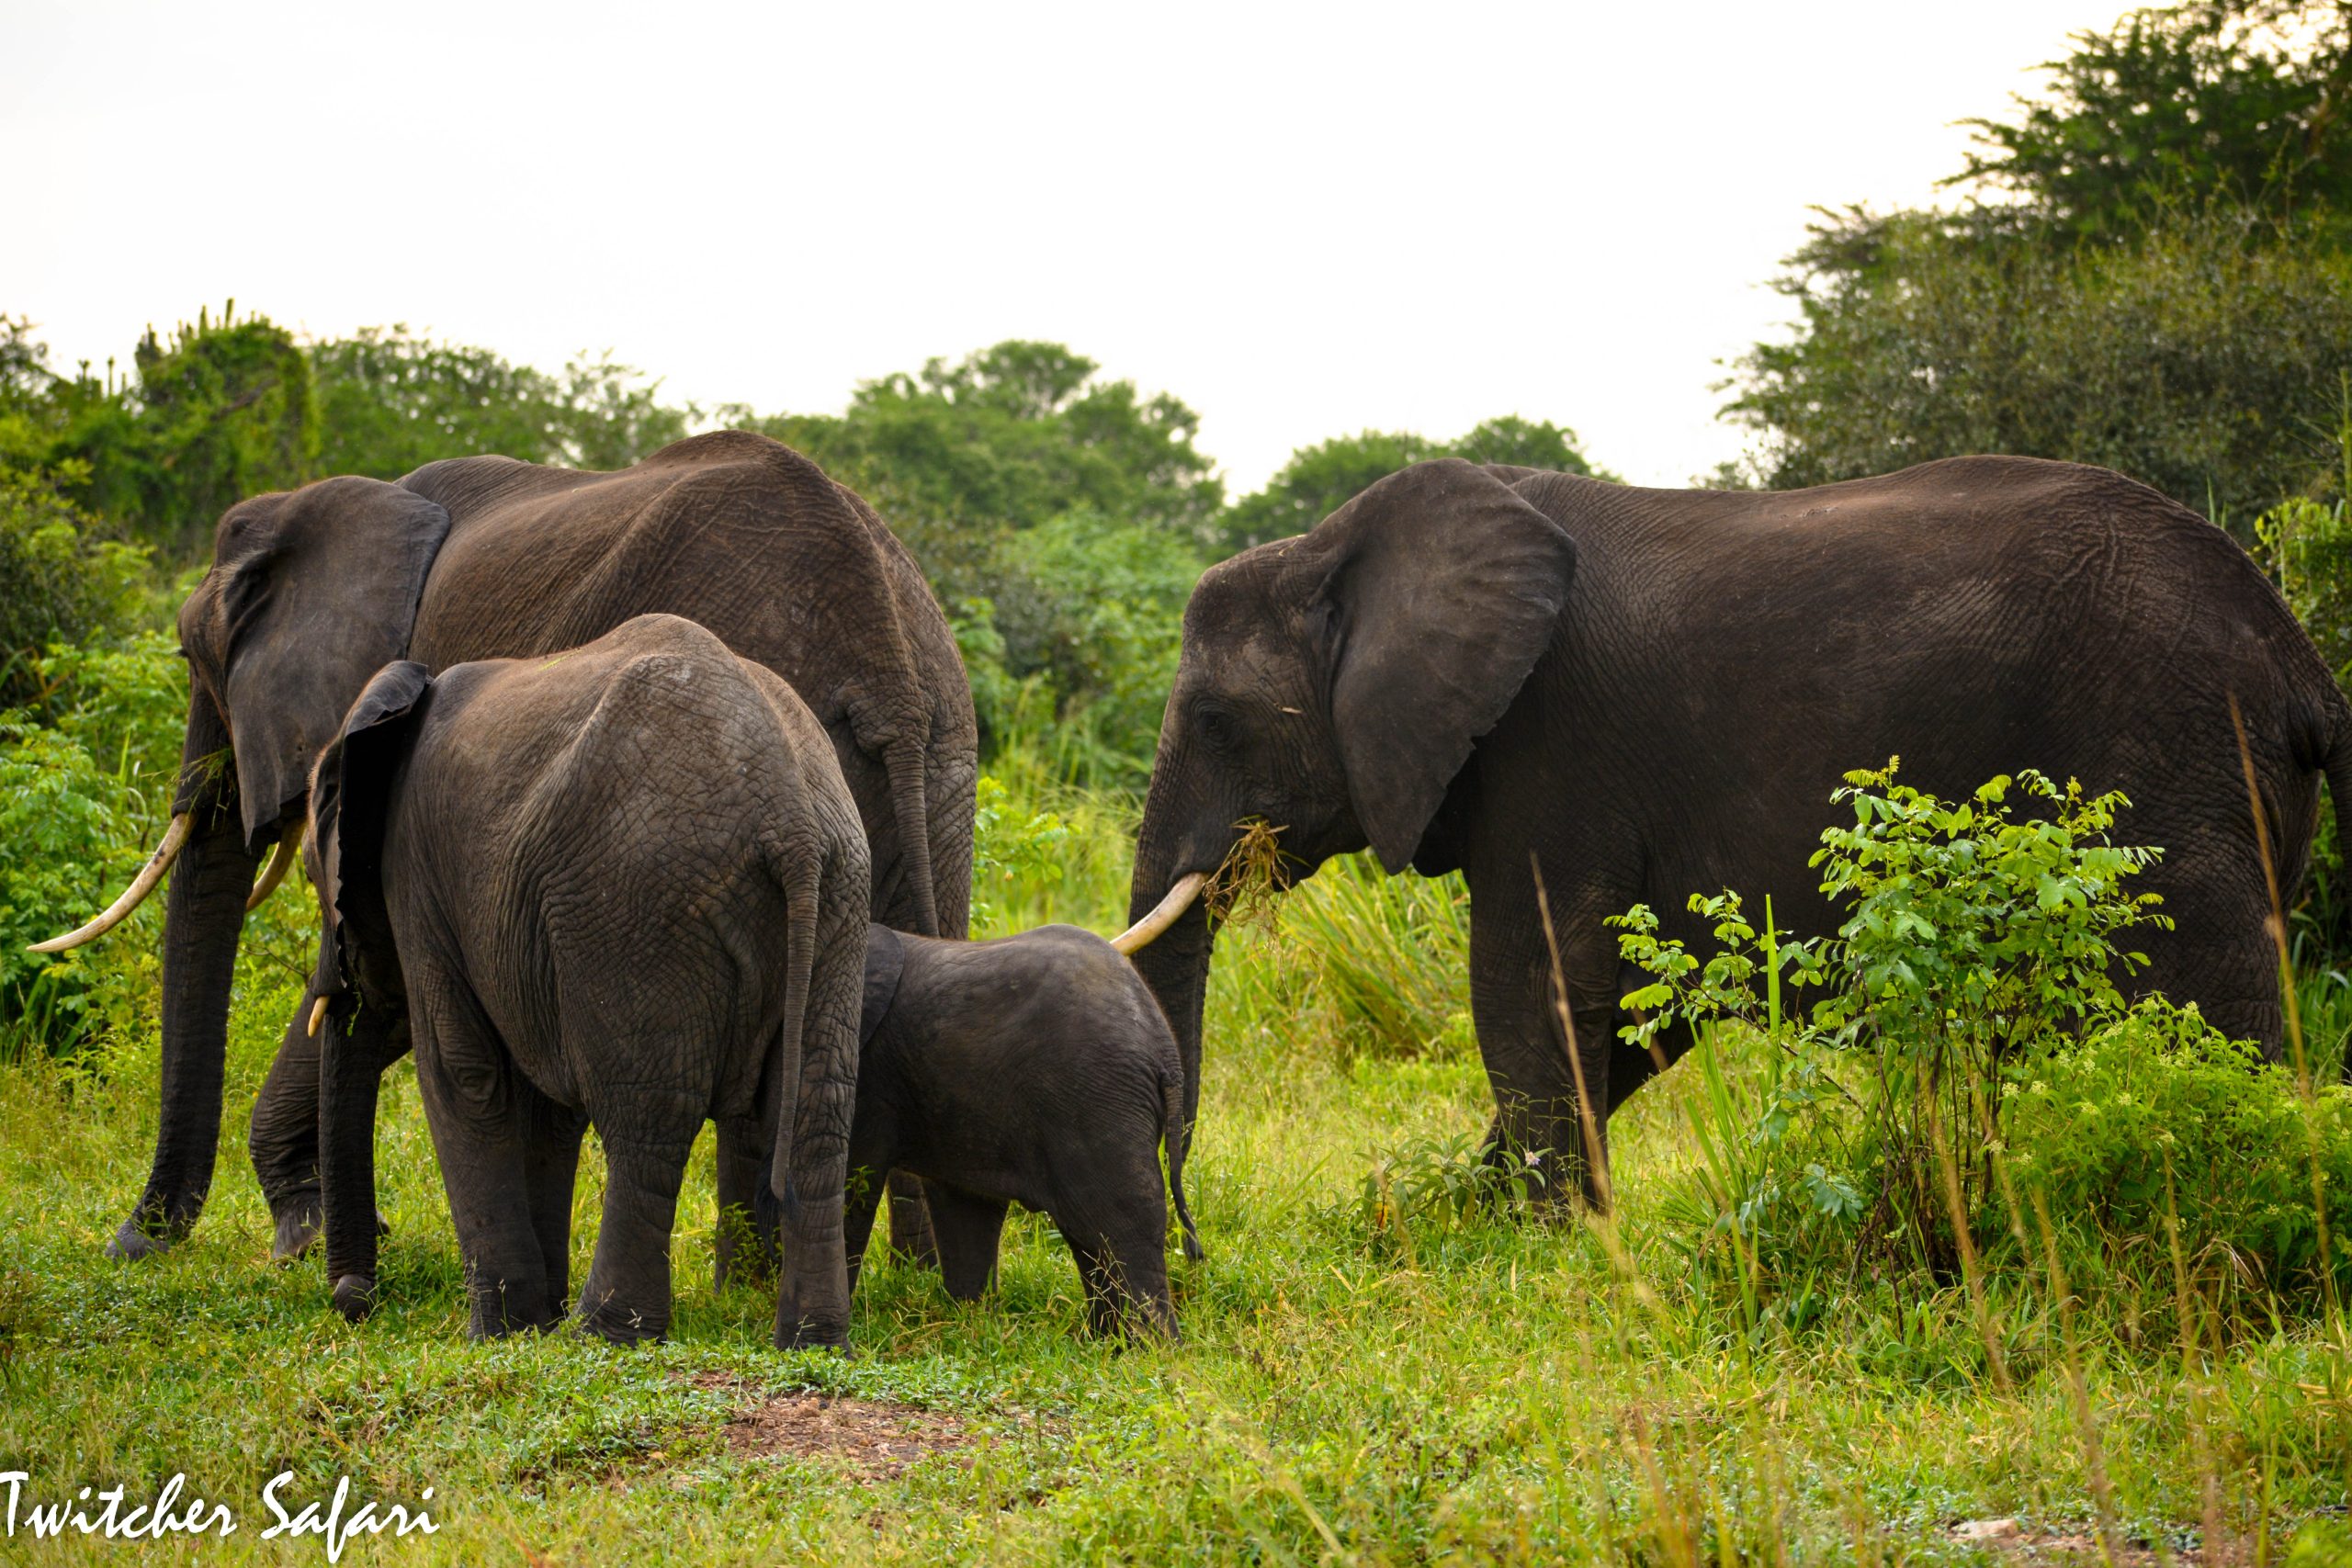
(1303, 221)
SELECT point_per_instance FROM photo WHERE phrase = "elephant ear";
(350, 793)
(317, 594)
(1441, 589)
(886, 960)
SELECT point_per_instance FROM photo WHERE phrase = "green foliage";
(1969, 939)
(960, 455)
(2165, 289)
(2217, 99)
(1441, 1182)
(1319, 479)
(391, 402)
(64, 579)
(1379, 962)
(83, 797)
(1008, 845)
(1092, 608)
(220, 411)
(2157, 1128)
(2199, 360)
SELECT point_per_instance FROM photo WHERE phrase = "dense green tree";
(959, 457)
(1318, 480)
(2162, 288)
(2245, 102)
(2198, 359)
(391, 401)
(218, 410)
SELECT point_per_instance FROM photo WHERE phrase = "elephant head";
(1333, 685)
(309, 593)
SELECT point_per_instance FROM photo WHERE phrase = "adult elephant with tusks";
(1586, 696)
(311, 592)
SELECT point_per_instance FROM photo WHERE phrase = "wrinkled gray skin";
(1646, 694)
(624, 886)
(1035, 1070)
(311, 592)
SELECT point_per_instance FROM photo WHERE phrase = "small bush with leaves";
(1969, 938)
(2158, 1135)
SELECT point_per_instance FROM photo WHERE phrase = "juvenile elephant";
(1637, 695)
(311, 592)
(624, 886)
(1035, 1070)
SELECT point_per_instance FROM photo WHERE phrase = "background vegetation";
(1931, 1227)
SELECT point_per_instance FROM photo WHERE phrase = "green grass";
(1467, 1388)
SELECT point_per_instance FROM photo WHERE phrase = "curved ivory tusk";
(318, 1017)
(278, 862)
(1180, 899)
(140, 885)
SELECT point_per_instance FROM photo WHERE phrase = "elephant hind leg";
(551, 1167)
(1121, 1247)
(970, 1229)
(746, 1242)
(627, 1296)
(469, 1088)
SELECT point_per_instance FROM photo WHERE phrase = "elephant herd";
(646, 798)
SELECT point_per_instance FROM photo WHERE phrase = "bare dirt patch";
(877, 1439)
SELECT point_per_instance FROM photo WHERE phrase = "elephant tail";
(904, 761)
(1171, 1132)
(799, 964)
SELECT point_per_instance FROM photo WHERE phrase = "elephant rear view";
(623, 886)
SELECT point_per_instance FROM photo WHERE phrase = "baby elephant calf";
(1036, 1070)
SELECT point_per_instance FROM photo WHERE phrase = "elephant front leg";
(911, 1236)
(1549, 1067)
(284, 1139)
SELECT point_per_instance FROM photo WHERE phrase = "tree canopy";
(1319, 479)
(2152, 274)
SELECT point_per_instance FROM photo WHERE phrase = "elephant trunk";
(1175, 965)
(204, 916)
(349, 1076)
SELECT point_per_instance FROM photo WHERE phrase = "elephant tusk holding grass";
(1180, 899)
(278, 862)
(142, 884)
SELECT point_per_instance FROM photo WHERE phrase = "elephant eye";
(1217, 726)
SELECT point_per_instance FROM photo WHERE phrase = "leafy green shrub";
(1968, 1094)
(82, 800)
(1009, 846)
(1442, 1182)
(2156, 1125)
(1969, 938)
(62, 579)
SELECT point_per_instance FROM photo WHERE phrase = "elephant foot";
(814, 1336)
(135, 1241)
(298, 1218)
(354, 1296)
